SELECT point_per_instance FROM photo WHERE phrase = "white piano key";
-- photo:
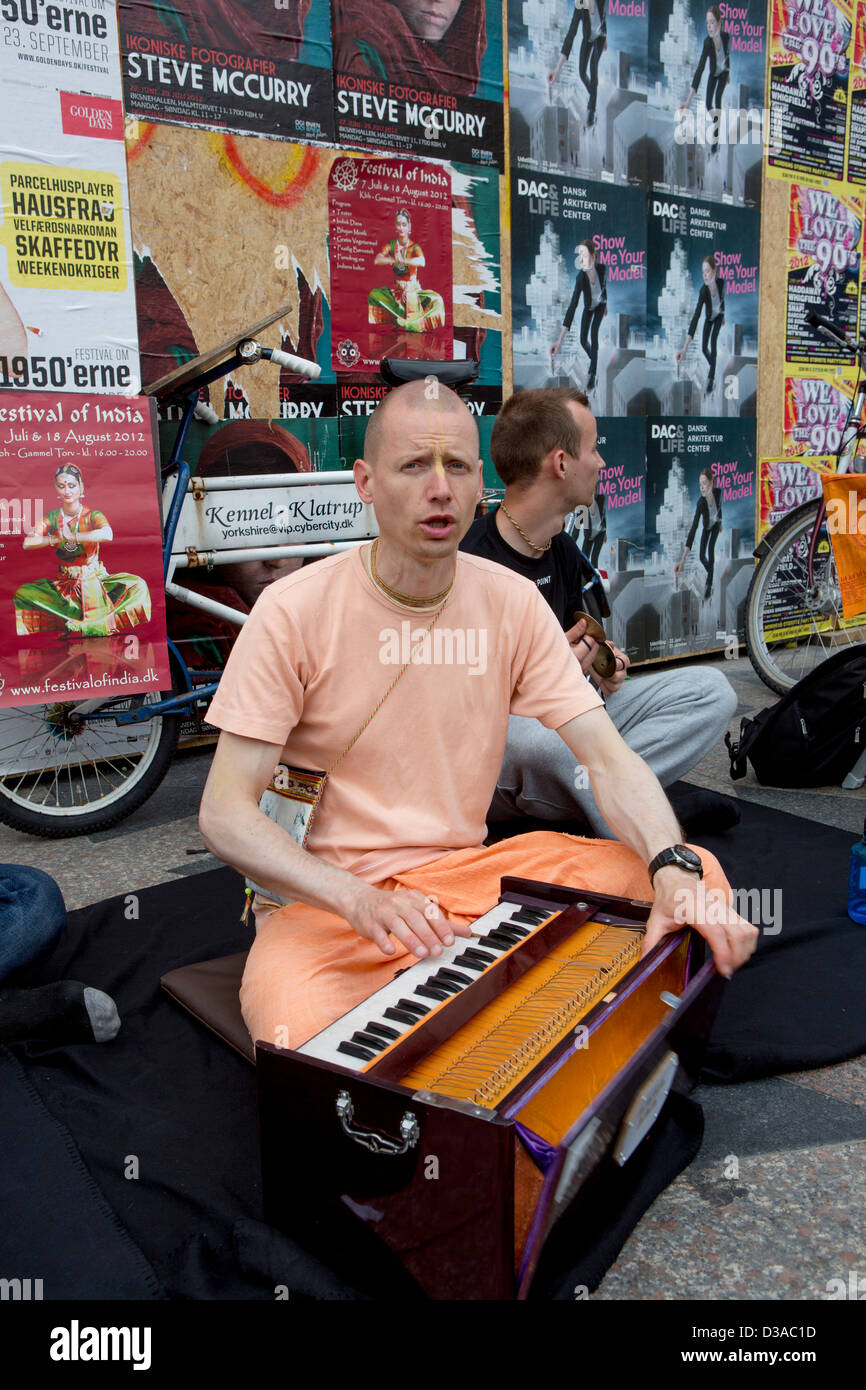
(325, 1045)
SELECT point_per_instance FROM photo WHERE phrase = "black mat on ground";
(164, 1117)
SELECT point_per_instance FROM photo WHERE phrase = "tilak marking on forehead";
(434, 409)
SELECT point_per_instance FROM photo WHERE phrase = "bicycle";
(794, 617)
(74, 767)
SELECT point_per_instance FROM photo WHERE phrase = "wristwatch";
(682, 856)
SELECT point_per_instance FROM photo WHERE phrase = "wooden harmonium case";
(445, 1125)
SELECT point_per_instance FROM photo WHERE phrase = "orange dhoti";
(307, 967)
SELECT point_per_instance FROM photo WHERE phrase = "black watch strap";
(682, 856)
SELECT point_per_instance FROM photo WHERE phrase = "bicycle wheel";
(792, 626)
(63, 775)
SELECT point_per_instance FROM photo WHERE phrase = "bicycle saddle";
(396, 371)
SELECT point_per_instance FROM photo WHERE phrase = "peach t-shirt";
(320, 649)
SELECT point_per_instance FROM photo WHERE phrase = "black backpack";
(814, 735)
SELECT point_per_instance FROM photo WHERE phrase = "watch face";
(687, 857)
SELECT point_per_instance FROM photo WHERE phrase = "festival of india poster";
(82, 609)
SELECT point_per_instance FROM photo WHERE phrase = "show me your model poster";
(256, 66)
(67, 301)
(611, 532)
(706, 98)
(702, 308)
(82, 609)
(578, 87)
(700, 519)
(418, 78)
(578, 285)
(810, 45)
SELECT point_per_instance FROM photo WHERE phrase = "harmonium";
(444, 1127)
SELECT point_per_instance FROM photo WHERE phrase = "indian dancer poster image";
(420, 77)
(578, 87)
(81, 590)
(700, 517)
(243, 65)
(705, 122)
(579, 289)
(391, 265)
(702, 308)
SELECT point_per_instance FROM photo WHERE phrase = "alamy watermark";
(713, 908)
(440, 646)
(20, 515)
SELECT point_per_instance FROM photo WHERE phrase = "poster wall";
(702, 308)
(810, 52)
(268, 221)
(390, 252)
(579, 289)
(700, 519)
(578, 88)
(253, 67)
(706, 99)
(67, 304)
(81, 592)
(420, 80)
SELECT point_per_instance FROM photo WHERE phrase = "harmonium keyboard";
(446, 1126)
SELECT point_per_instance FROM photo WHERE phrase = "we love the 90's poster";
(82, 610)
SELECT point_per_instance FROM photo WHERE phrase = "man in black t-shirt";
(544, 446)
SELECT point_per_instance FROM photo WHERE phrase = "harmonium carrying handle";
(377, 1143)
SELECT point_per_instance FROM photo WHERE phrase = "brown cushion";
(209, 990)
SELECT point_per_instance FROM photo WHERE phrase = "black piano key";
(413, 1007)
(381, 1031)
(501, 939)
(530, 916)
(439, 982)
(400, 1015)
(455, 976)
(516, 928)
(353, 1050)
(469, 964)
(434, 992)
(484, 958)
(368, 1040)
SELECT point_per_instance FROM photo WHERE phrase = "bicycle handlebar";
(830, 330)
(297, 365)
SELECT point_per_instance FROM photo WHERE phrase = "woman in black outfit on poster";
(592, 18)
(717, 53)
(709, 513)
(591, 283)
(711, 297)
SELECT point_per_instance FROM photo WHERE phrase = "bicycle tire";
(86, 755)
(790, 627)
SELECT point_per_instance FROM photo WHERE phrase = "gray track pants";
(672, 719)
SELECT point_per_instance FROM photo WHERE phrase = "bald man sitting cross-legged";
(395, 864)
